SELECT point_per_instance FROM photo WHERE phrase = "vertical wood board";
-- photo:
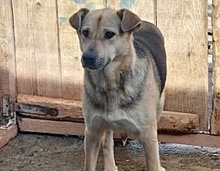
(7, 65)
(72, 71)
(184, 26)
(7, 51)
(215, 120)
(145, 9)
(37, 57)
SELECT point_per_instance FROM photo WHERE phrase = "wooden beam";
(205, 140)
(178, 122)
(51, 127)
(7, 134)
(72, 128)
(70, 110)
(215, 119)
(67, 108)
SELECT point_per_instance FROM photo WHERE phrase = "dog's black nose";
(89, 57)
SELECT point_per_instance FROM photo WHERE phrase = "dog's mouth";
(98, 64)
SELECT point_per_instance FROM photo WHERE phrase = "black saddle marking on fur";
(131, 100)
(149, 39)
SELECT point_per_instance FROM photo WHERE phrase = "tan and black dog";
(124, 63)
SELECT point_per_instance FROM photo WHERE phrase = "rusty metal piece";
(8, 113)
(5, 107)
(35, 109)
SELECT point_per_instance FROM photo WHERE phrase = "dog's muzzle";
(91, 60)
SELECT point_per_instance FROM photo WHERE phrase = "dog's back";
(148, 39)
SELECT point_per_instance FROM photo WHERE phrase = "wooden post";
(7, 65)
(7, 51)
(215, 119)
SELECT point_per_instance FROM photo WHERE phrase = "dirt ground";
(35, 152)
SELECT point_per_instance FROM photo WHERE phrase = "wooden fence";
(40, 61)
(215, 119)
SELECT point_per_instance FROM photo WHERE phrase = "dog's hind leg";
(108, 151)
(150, 145)
(160, 106)
(92, 145)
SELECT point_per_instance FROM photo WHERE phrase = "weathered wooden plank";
(7, 134)
(52, 127)
(72, 71)
(72, 128)
(146, 9)
(184, 26)
(178, 122)
(204, 140)
(38, 62)
(215, 120)
(7, 51)
(67, 109)
(71, 110)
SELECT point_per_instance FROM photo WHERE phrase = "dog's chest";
(119, 121)
(118, 102)
(118, 92)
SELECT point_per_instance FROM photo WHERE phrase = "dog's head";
(104, 35)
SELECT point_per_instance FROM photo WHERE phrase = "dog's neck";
(126, 61)
(121, 64)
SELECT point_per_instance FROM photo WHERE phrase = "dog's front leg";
(91, 148)
(108, 151)
(150, 145)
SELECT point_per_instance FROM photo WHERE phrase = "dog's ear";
(76, 19)
(130, 22)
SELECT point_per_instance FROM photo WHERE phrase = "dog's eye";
(109, 35)
(85, 33)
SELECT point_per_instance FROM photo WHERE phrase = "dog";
(124, 63)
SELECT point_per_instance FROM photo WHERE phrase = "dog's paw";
(162, 169)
